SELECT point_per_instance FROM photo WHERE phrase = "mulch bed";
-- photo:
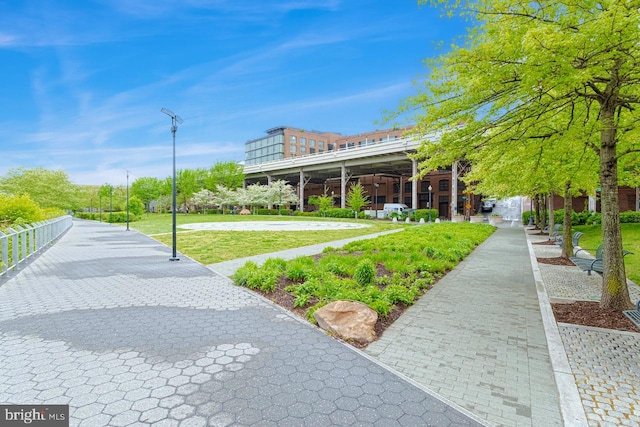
(556, 261)
(546, 242)
(588, 313)
(286, 300)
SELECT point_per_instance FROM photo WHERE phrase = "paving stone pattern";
(606, 366)
(605, 363)
(477, 337)
(104, 322)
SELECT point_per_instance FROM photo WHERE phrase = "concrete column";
(414, 184)
(454, 189)
(592, 204)
(301, 204)
(343, 186)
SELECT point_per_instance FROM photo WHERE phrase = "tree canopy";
(47, 188)
(541, 81)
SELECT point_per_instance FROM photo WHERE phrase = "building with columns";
(316, 162)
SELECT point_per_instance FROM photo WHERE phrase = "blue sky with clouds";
(83, 81)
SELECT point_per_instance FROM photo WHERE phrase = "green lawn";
(630, 241)
(210, 247)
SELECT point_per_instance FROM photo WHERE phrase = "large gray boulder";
(350, 320)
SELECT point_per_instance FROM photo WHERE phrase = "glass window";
(303, 149)
(321, 144)
(312, 143)
(293, 139)
(303, 141)
(312, 150)
(443, 185)
(407, 187)
(424, 186)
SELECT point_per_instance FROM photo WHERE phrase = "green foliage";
(338, 213)
(630, 216)
(136, 207)
(47, 188)
(414, 258)
(146, 189)
(18, 210)
(424, 214)
(357, 197)
(365, 272)
(299, 269)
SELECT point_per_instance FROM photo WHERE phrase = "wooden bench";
(594, 264)
(634, 315)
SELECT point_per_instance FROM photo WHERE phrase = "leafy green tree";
(357, 198)
(47, 188)
(136, 207)
(146, 189)
(187, 183)
(227, 174)
(540, 73)
(324, 202)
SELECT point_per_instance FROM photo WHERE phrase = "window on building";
(461, 185)
(312, 143)
(407, 201)
(303, 149)
(303, 141)
(396, 189)
(443, 185)
(321, 145)
(293, 139)
(424, 186)
(407, 187)
(312, 151)
(382, 199)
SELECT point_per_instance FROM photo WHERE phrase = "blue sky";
(83, 81)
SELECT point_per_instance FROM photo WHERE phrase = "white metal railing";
(21, 242)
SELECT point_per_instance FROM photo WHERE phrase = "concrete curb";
(571, 407)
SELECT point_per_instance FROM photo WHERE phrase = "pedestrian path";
(478, 338)
(104, 322)
(605, 363)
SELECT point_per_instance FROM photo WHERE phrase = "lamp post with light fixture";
(174, 127)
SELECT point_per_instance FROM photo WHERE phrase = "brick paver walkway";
(104, 322)
(605, 363)
(477, 337)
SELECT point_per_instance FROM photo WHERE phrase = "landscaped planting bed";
(388, 273)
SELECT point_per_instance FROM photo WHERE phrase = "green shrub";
(364, 273)
(338, 213)
(424, 214)
(243, 274)
(526, 215)
(311, 214)
(630, 216)
(19, 210)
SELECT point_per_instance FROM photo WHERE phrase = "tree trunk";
(567, 243)
(552, 218)
(542, 216)
(615, 294)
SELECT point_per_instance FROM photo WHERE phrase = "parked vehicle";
(398, 208)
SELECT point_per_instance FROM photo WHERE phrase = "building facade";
(384, 181)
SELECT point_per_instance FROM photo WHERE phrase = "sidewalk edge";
(571, 406)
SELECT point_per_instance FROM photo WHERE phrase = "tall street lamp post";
(127, 201)
(375, 184)
(174, 127)
(430, 188)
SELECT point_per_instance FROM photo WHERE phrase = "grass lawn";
(210, 247)
(630, 241)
